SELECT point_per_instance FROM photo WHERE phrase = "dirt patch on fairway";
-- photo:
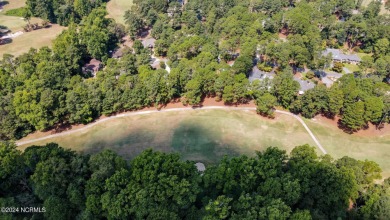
(370, 131)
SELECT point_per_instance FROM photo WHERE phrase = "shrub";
(310, 75)
(162, 65)
(264, 67)
(19, 12)
(338, 67)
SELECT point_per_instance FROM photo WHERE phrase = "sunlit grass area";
(35, 39)
(205, 135)
(22, 44)
(116, 9)
(352, 67)
(339, 144)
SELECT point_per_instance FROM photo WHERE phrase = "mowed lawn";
(12, 4)
(352, 67)
(116, 9)
(16, 23)
(35, 39)
(339, 144)
(203, 135)
(22, 44)
(11, 22)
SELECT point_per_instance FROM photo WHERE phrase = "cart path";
(170, 110)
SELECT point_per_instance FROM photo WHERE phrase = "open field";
(207, 135)
(12, 4)
(23, 43)
(116, 9)
(16, 23)
(204, 135)
(35, 39)
(359, 146)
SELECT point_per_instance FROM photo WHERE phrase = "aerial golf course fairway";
(205, 135)
(208, 135)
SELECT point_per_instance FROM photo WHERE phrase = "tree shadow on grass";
(194, 142)
(347, 130)
(128, 145)
(5, 41)
(2, 3)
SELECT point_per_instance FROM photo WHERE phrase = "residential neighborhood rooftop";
(338, 55)
(260, 75)
(304, 85)
(149, 42)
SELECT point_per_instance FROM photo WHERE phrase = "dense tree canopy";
(154, 185)
(211, 47)
(61, 11)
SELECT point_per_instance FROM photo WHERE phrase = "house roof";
(260, 75)
(94, 65)
(304, 84)
(339, 55)
(148, 42)
(117, 53)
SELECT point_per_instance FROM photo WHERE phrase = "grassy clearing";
(36, 39)
(204, 135)
(116, 9)
(24, 42)
(339, 144)
(12, 4)
(207, 135)
(352, 67)
(361, 55)
(16, 23)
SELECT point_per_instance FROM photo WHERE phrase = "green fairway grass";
(339, 144)
(205, 135)
(116, 9)
(208, 135)
(12, 4)
(23, 43)
(36, 39)
(352, 67)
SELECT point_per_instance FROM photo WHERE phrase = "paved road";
(170, 110)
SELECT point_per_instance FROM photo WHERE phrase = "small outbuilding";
(92, 67)
(200, 166)
(149, 43)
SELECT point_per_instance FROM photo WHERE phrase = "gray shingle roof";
(305, 84)
(260, 75)
(339, 55)
(328, 78)
(148, 42)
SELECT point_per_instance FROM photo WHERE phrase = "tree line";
(155, 185)
(46, 88)
(61, 11)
